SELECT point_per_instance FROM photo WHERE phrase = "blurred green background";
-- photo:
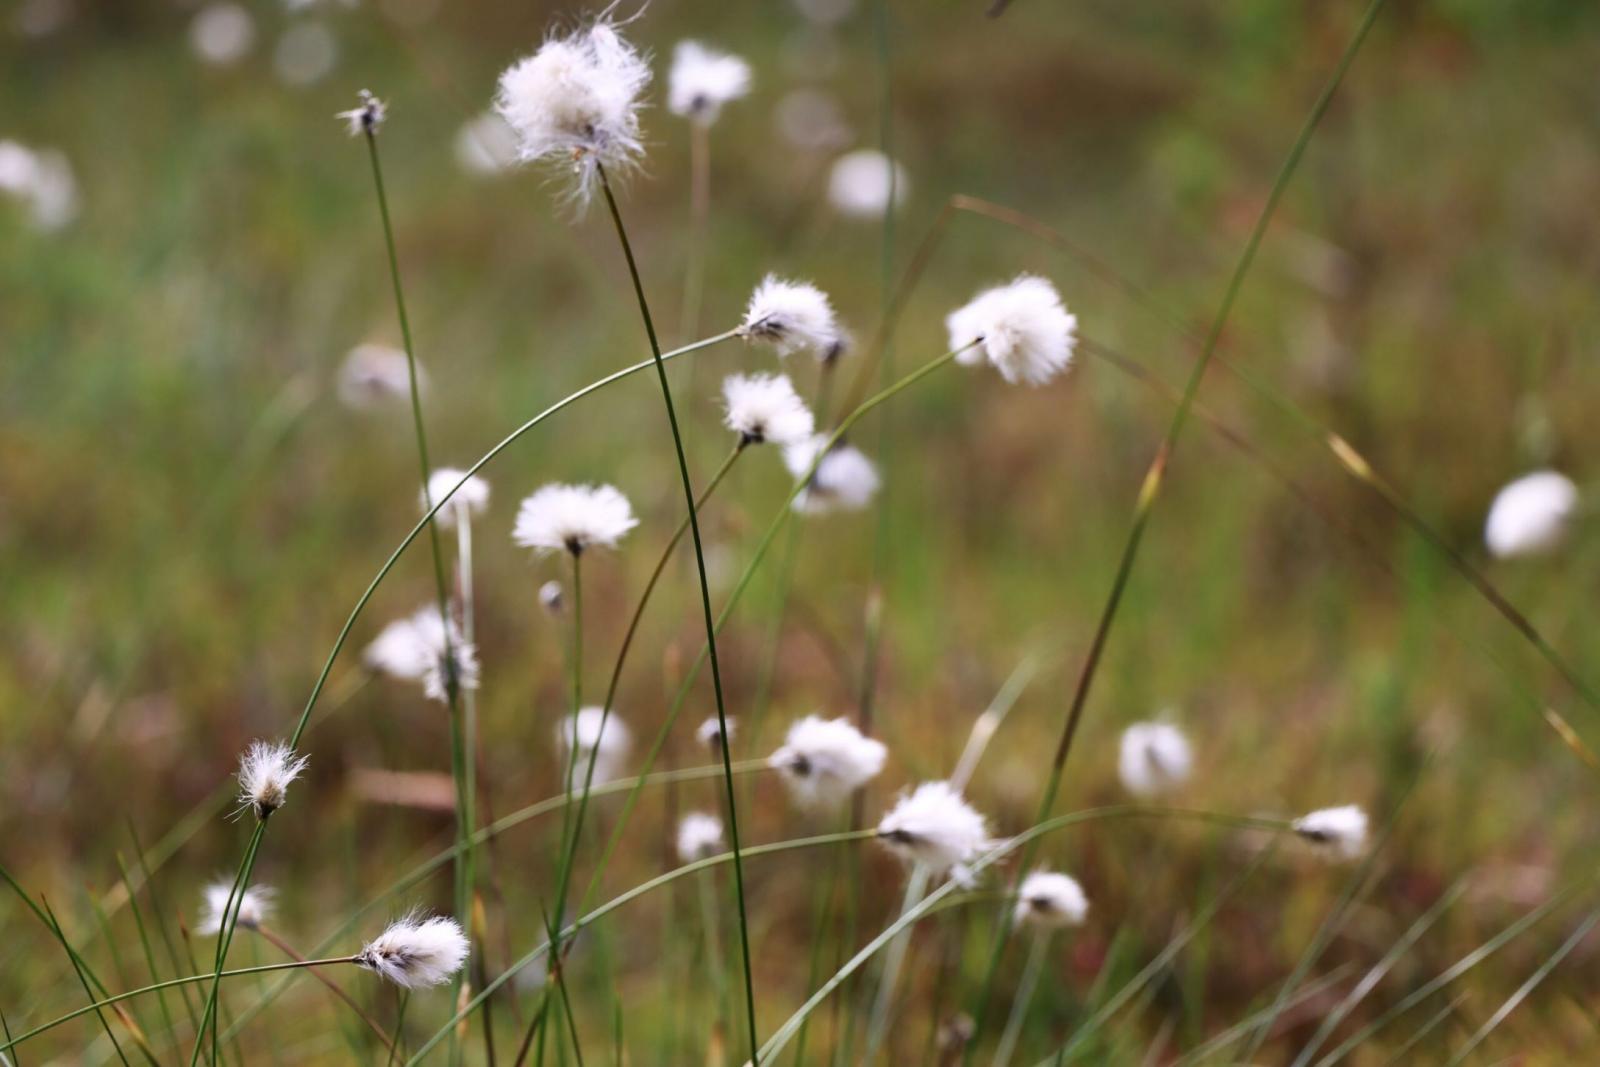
(188, 513)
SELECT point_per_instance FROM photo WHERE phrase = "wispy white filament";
(576, 102)
(1341, 832)
(252, 908)
(935, 826)
(1531, 515)
(1023, 328)
(845, 479)
(699, 836)
(702, 80)
(573, 518)
(417, 952)
(863, 183)
(605, 748)
(1154, 758)
(791, 316)
(265, 773)
(823, 761)
(472, 498)
(376, 374)
(1049, 899)
(765, 408)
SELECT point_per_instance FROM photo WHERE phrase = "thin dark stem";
(705, 605)
(230, 919)
(335, 988)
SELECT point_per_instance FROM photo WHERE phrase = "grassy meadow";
(189, 513)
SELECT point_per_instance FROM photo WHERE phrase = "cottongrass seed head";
(365, 117)
(1022, 328)
(1051, 900)
(823, 761)
(1154, 758)
(573, 518)
(576, 101)
(265, 772)
(935, 826)
(844, 479)
(374, 375)
(602, 739)
(709, 733)
(471, 499)
(1339, 833)
(425, 647)
(864, 183)
(791, 317)
(765, 407)
(251, 909)
(416, 952)
(699, 836)
(550, 596)
(1531, 515)
(702, 80)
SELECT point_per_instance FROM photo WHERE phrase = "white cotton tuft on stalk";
(702, 80)
(365, 117)
(824, 761)
(372, 375)
(1051, 900)
(251, 908)
(935, 826)
(845, 479)
(792, 317)
(472, 498)
(417, 952)
(709, 733)
(265, 773)
(699, 836)
(1022, 328)
(1531, 515)
(576, 102)
(1154, 758)
(864, 183)
(765, 408)
(573, 518)
(413, 649)
(1339, 833)
(605, 747)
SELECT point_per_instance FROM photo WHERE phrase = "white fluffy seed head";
(792, 317)
(844, 480)
(1154, 759)
(471, 499)
(550, 594)
(572, 518)
(415, 649)
(699, 836)
(606, 746)
(372, 375)
(221, 34)
(1531, 515)
(1022, 328)
(252, 908)
(935, 826)
(366, 116)
(702, 80)
(576, 102)
(417, 952)
(709, 733)
(824, 761)
(1339, 833)
(42, 180)
(864, 183)
(765, 408)
(265, 773)
(1050, 900)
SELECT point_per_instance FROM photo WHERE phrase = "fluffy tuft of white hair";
(844, 478)
(416, 951)
(265, 773)
(1154, 758)
(935, 826)
(699, 836)
(573, 518)
(1531, 515)
(702, 80)
(470, 500)
(824, 761)
(791, 316)
(1049, 899)
(1339, 833)
(1021, 327)
(602, 740)
(765, 408)
(251, 908)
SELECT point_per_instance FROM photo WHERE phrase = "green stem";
(230, 918)
(1021, 1001)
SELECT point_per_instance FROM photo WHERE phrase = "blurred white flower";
(811, 120)
(1025, 331)
(823, 761)
(1341, 833)
(416, 952)
(413, 650)
(222, 34)
(550, 596)
(1531, 515)
(765, 408)
(1050, 900)
(485, 145)
(702, 80)
(572, 518)
(376, 374)
(699, 836)
(709, 733)
(42, 180)
(251, 908)
(469, 500)
(265, 773)
(935, 826)
(306, 53)
(365, 117)
(790, 316)
(576, 101)
(605, 746)
(845, 479)
(864, 183)
(1154, 758)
